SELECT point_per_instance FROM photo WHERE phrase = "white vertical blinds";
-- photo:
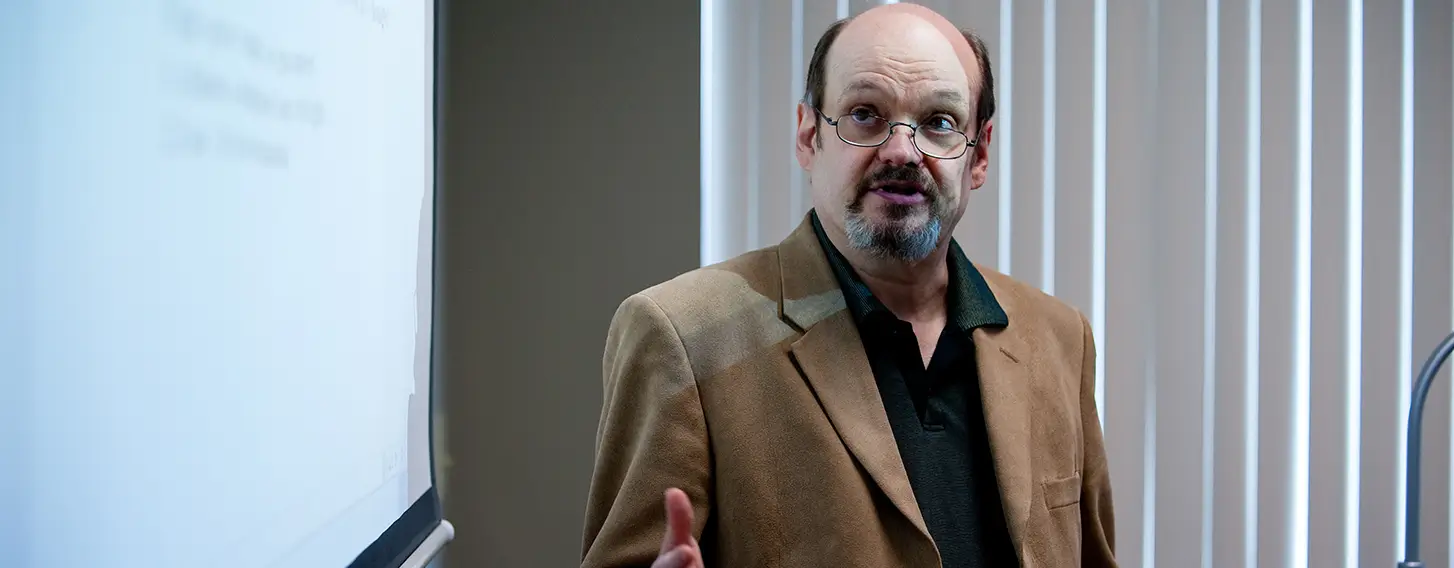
(1251, 201)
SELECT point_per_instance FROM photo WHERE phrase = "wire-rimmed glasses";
(867, 130)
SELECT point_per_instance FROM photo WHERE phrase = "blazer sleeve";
(652, 436)
(1098, 524)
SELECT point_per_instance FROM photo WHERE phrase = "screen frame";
(406, 533)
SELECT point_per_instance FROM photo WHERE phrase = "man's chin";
(899, 224)
(908, 239)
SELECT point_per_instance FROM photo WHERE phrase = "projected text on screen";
(229, 250)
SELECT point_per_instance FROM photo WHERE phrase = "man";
(860, 394)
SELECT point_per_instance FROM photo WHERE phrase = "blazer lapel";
(831, 357)
(1004, 376)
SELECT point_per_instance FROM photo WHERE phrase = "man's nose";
(899, 150)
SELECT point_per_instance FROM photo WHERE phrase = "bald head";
(970, 50)
(908, 25)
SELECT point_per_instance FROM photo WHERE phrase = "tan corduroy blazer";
(745, 384)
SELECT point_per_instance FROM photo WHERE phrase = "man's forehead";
(887, 12)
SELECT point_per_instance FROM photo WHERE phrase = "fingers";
(678, 518)
(678, 547)
(680, 557)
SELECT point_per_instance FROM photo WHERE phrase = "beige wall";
(570, 181)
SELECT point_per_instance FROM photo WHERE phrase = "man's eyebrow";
(861, 86)
(949, 96)
(941, 96)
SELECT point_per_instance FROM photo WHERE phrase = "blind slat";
(1073, 146)
(1328, 503)
(978, 231)
(775, 111)
(1433, 208)
(1178, 277)
(1025, 89)
(1235, 383)
(1278, 136)
(1382, 226)
(1129, 337)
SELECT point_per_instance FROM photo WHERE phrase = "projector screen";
(216, 221)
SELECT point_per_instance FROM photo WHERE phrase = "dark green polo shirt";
(936, 412)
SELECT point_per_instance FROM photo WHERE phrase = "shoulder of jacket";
(1033, 310)
(722, 312)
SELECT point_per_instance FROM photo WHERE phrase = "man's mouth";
(900, 188)
(900, 193)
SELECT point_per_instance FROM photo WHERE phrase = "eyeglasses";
(867, 130)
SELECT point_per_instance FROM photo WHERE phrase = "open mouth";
(905, 189)
(901, 193)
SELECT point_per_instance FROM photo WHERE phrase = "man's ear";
(806, 139)
(979, 157)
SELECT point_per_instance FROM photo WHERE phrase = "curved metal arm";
(1416, 435)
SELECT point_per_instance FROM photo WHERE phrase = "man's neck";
(913, 291)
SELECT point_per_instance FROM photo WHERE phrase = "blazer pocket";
(1062, 492)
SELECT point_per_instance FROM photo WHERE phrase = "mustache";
(899, 174)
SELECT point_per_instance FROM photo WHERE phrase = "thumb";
(678, 520)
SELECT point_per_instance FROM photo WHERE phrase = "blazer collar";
(971, 303)
(831, 356)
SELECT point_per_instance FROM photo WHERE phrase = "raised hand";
(678, 548)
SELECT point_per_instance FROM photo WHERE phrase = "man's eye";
(940, 123)
(863, 115)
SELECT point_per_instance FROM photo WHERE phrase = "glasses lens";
(863, 129)
(941, 142)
